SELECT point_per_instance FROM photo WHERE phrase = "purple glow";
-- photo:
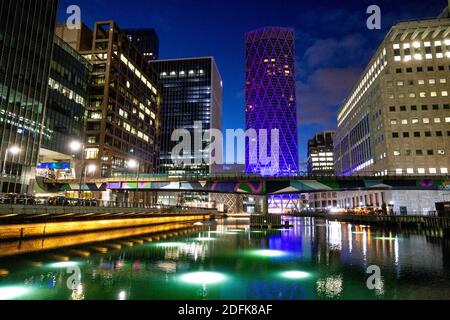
(271, 101)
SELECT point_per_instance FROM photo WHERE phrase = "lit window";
(91, 153)
(421, 170)
(410, 171)
(443, 80)
(412, 95)
(427, 44)
(397, 58)
(396, 153)
(396, 46)
(428, 56)
(433, 171)
(433, 94)
(437, 43)
(437, 120)
(415, 121)
(432, 81)
(398, 171)
(441, 152)
(444, 93)
(416, 44)
(421, 82)
(418, 56)
(423, 94)
(406, 46)
(393, 122)
(407, 58)
(447, 119)
(444, 170)
(400, 83)
(426, 120)
(439, 55)
(404, 121)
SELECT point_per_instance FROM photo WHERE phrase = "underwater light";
(9, 293)
(203, 277)
(295, 275)
(270, 253)
(65, 264)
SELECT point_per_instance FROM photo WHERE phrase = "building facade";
(321, 154)
(146, 41)
(191, 100)
(67, 98)
(396, 120)
(26, 43)
(123, 106)
(271, 102)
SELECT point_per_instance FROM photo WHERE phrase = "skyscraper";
(321, 154)
(26, 42)
(192, 93)
(146, 41)
(270, 91)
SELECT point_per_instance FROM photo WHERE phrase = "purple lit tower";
(270, 92)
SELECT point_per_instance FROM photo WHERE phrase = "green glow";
(65, 264)
(14, 292)
(204, 239)
(295, 275)
(168, 244)
(203, 278)
(269, 253)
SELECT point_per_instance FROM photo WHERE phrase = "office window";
(444, 93)
(395, 135)
(415, 121)
(426, 120)
(405, 134)
(432, 170)
(446, 106)
(397, 153)
(432, 81)
(392, 109)
(398, 70)
(393, 122)
(398, 171)
(447, 119)
(433, 94)
(417, 134)
(404, 121)
(435, 107)
(424, 107)
(410, 171)
(419, 153)
(430, 152)
(408, 153)
(421, 82)
(430, 69)
(413, 108)
(438, 133)
(402, 108)
(427, 133)
(444, 170)
(437, 120)
(443, 81)
(441, 152)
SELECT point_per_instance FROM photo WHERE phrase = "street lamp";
(134, 164)
(78, 147)
(14, 150)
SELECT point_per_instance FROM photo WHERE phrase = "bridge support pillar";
(265, 205)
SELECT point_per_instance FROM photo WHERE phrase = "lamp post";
(78, 147)
(134, 164)
(14, 150)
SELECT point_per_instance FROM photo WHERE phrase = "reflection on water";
(312, 260)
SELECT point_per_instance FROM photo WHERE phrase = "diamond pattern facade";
(271, 101)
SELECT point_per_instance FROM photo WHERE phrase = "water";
(313, 260)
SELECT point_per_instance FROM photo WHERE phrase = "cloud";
(322, 93)
(336, 52)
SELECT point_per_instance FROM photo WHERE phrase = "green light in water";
(295, 275)
(168, 244)
(204, 239)
(14, 292)
(270, 253)
(203, 278)
(66, 264)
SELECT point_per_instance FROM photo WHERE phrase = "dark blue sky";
(333, 42)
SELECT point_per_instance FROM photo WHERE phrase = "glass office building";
(192, 93)
(26, 42)
(146, 41)
(67, 98)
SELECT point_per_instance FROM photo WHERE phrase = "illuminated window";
(441, 152)
(426, 120)
(393, 122)
(404, 121)
(410, 171)
(397, 153)
(421, 170)
(415, 121)
(421, 82)
(443, 80)
(423, 94)
(433, 171)
(444, 93)
(92, 153)
(433, 94)
(437, 120)
(398, 171)
(444, 170)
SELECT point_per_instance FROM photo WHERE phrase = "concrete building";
(26, 43)
(321, 154)
(396, 119)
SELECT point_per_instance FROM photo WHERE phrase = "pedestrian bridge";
(247, 184)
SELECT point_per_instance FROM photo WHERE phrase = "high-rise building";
(26, 42)
(191, 97)
(146, 41)
(123, 105)
(271, 96)
(67, 98)
(64, 113)
(396, 119)
(321, 154)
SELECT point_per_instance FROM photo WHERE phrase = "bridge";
(247, 184)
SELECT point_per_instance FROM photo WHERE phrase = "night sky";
(333, 43)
